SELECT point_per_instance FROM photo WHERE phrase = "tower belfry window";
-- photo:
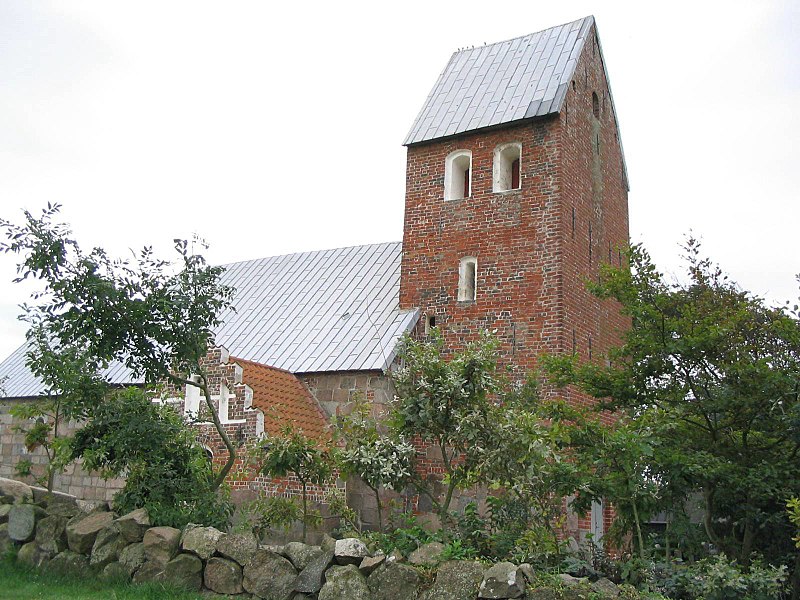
(467, 279)
(505, 172)
(458, 175)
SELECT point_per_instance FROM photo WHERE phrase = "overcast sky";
(275, 127)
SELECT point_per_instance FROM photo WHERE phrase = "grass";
(19, 583)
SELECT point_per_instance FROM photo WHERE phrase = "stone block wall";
(74, 480)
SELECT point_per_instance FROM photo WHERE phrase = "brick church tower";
(516, 192)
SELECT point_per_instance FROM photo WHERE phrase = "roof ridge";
(519, 37)
(258, 364)
(238, 262)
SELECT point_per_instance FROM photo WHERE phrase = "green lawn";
(17, 583)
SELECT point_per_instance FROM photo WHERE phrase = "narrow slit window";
(506, 168)
(458, 175)
(595, 105)
(223, 403)
(430, 323)
(191, 407)
(467, 279)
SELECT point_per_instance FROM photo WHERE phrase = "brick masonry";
(535, 246)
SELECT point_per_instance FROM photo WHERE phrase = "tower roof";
(491, 85)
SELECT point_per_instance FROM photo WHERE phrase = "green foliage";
(153, 316)
(717, 578)
(166, 471)
(381, 460)
(269, 512)
(708, 376)
(404, 534)
(292, 453)
(447, 402)
(793, 507)
(337, 505)
(456, 550)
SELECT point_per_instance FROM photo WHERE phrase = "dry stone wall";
(60, 533)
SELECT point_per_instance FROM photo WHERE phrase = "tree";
(716, 373)
(71, 388)
(381, 459)
(166, 471)
(447, 402)
(293, 453)
(155, 317)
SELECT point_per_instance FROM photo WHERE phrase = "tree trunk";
(223, 473)
(638, 524)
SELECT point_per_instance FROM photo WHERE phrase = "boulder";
(107, 546)
(370, 563)
(606, 588)
(328, 543)
(16, 491)
(69, 562)
(542, 593)
(311, 579)
(149, 571)
(238, 546)
(133, 525)
(344, 582)
(22, 519)
(456, 580)
(427, 555)
(4, 510)
(570, 581)
(394, 581)
(184, 571)
(350, 551)
(114, 572)
(132, 557)
(31, 555)
(503, 580)
(201, 541)
(301, 554)
(82, 530)
(527, 571)
(161, 543)
(57, 503)
(223, 576)
(270, 576)
(51, 533)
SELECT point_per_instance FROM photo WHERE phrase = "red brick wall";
(532, 261)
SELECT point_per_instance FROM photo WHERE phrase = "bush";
(166, 471)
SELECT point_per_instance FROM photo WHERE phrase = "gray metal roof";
(329, 310)
(503, 82)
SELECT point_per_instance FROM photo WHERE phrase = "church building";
(516, 193)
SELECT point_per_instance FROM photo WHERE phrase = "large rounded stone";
(115, 571)
(161, 543)
(238, 546)
(344, 582)
(107, 546)
(15, 490)
(201, 541)
(22, 519)
(503, 580)
(51, 533)
(350, 551)
(223, 576)
(269, 575)
(31, 555)
(185, 571)
(301, 554)
(133, 525)
(69, 562)
(456, 580)
(4, 510)
(311, 579)
(132, 557)
(82, 530)
(149, 571)
(393, 581)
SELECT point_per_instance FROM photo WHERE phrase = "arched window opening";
(506, 174)
(595, 105)
(458, 175)
(467, 279)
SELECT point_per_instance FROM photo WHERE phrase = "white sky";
(274, 127)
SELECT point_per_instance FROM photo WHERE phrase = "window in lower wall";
(467, 279)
